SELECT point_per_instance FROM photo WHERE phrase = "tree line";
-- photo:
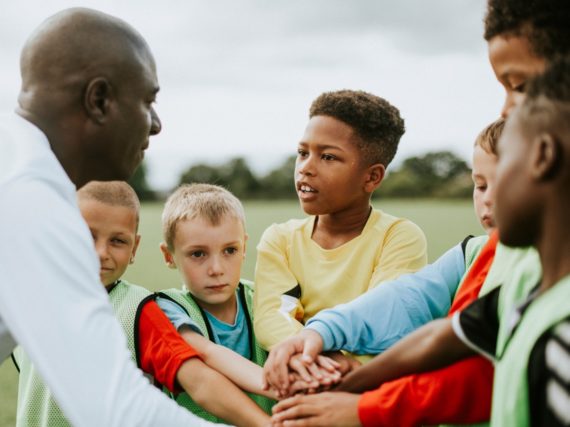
(440, 174)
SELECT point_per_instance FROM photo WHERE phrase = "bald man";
(85, 113)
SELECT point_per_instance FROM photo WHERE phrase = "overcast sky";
(237, 76)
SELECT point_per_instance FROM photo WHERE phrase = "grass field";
(444, 223)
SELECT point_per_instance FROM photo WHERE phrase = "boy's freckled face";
(114, 233)
(513, 63)
(484, 168)
(329, 175)
(210, 258)
(514, 203)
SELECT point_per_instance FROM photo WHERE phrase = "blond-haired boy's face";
(209, 258)
(114, 231)
(484, 167)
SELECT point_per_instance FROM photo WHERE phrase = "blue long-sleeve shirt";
(376, 320)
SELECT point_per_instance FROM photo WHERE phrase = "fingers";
(306, 372)
(328, 363)
(297, 411)
(313, 345)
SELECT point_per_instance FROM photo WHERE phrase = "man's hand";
(323, 409)
(308, 343)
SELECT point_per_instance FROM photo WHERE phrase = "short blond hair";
(489, 137)
(113, 193)
(206, 201)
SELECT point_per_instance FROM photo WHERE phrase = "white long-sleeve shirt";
(51, 300)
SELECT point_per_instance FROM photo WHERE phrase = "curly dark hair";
(546, 24)
(376, 122)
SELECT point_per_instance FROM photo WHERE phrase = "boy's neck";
(333, 230)
(554, 244)
(225, 312)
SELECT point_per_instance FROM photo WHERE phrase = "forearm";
(247, 375)
(458, 394)
(430, 347)
(219, 396)
(375, 321)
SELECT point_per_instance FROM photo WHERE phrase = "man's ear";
(97, 99)
(374, 176)
(546, 156)
(168, 256)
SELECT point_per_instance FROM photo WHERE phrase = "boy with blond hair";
(205, 239)
(111, 210)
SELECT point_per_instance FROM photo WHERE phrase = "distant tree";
(430, 175)
(140, 184)
(235, 175)
(278, 183)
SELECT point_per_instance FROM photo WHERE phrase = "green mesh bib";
(259, 355)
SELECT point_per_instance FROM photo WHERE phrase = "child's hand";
(276, 369)
(345, 363)
(322, 373)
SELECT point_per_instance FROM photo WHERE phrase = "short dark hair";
(547, 102)
(376, 123)
(546, 24)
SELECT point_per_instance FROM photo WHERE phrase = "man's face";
(134, 120)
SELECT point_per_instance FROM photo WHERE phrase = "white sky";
(237, 76)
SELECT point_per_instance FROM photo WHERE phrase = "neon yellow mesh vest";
(36, 406)
(259, 355)
(510, 394)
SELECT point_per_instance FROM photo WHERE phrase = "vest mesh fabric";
(36, 406)
(259, 355)
(510, 391)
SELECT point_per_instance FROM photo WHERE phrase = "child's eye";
(117, 241)
(302, 153)
(481, 187)
(197, 254)
(328, 157)
(230, 251)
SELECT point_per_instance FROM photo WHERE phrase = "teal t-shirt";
(233, 336)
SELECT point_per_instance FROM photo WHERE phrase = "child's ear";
(245, 237)
(374, 176)
(545, 156)
(135, 247)
(168, 257)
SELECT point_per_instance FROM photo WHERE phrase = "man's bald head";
(73, 46)
(89, 82)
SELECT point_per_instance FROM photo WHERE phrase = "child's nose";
(306, 166)
(101, 249)
(215, 268)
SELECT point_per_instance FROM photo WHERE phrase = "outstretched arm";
(376, 320)
(431, 347)
(246, 374)
(206, 387)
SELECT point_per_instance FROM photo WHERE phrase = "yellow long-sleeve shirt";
(295, 278)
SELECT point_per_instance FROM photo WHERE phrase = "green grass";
(445, 223)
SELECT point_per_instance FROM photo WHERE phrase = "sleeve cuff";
(325, 333)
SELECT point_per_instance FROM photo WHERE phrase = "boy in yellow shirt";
(344, 247)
